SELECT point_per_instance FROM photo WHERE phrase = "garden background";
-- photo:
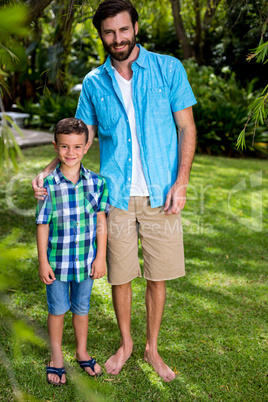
(214, 332)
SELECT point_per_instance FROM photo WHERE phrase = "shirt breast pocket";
(106, 110)
(159, 101)
(92, 203)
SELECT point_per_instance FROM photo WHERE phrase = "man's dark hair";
(110, 8)
(71, 125)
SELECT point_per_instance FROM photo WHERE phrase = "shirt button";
(129, 179)
(129, 140)
(76, 242)
(76, 206)
(76, 259)
(76, 223)
(160, 90)
(129, 159)
(102, 99)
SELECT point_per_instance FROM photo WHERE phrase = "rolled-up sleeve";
(85, 108)
(104, 203)
(181, 94)
(44, 209)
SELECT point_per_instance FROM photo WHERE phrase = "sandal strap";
(54, 370)
(88, 363)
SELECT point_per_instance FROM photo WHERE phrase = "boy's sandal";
(58, 371)
(91, 364)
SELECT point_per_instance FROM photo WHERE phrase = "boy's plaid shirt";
(71, 212)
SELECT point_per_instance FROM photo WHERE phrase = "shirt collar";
(141, 60)
(59, 178)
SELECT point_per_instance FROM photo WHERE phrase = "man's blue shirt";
(160, 87)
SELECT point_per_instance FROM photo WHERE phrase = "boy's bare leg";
(55, 330)
(122, 296)
(80, 324)
(155, 302)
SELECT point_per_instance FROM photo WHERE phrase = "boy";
(70, 221)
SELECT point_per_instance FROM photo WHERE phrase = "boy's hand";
(46, 273)
(98, 268)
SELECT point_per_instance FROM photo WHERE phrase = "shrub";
(222, 111)
(49, 110)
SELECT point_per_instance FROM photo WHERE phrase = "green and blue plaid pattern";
(71, 212)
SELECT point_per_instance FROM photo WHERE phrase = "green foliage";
(221, 110)
(259, 107)
(50, 109)
(12, 28)
(261, 52)
(9, 149)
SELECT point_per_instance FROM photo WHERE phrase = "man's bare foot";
(54, 378)
(160, 367)
(115, 363)
(84, 357)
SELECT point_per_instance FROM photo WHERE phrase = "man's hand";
(176, 199)
(98, 268)
(38, 181)
(37, 185)
(46, 273)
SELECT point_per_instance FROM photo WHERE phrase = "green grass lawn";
(214, 330)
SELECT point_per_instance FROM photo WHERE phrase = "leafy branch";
(258, 108)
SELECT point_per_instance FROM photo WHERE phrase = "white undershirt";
(138, 185)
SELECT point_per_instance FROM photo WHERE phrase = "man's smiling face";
(119, 36)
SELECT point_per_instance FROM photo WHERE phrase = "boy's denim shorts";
(73, 296)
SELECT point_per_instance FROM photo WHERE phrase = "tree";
(36, 8)
(44, 64)
(200, 14)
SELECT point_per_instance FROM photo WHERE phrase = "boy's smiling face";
(71, 148)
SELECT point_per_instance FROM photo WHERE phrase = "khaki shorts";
(161, 240)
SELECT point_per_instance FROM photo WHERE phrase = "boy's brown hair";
(71, 125)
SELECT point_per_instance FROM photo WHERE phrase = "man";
(134, 100)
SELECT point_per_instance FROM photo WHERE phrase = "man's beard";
(117, 55)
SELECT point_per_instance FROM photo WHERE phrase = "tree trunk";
(198, 40)
(187, 48)
(36, 8)
(62, 40)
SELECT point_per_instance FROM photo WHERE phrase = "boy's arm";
(46, 273)
(98, 269)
